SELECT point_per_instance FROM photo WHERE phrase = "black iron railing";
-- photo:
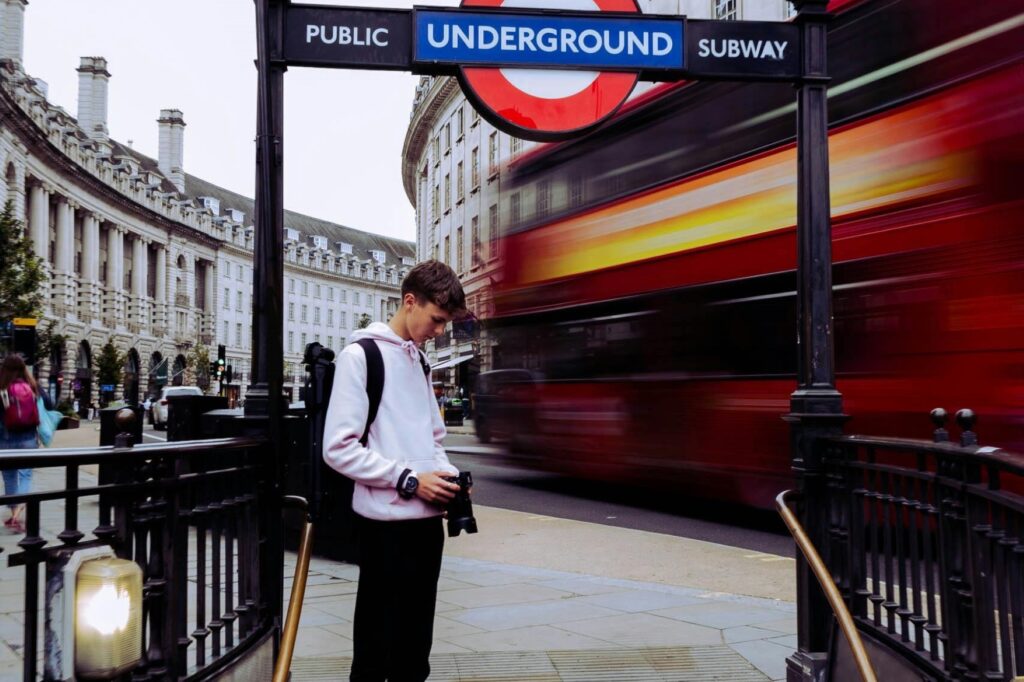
(926, 543)
(190, 514)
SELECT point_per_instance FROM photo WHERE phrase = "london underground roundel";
(547, 104)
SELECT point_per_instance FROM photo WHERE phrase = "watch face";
(411, 483)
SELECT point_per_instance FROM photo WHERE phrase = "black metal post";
(265, 399)
(816, 407)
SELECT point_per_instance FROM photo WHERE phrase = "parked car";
(159, 409)
(502, 404)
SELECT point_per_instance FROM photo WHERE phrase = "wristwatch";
(407, 484)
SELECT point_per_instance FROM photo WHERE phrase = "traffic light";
(228, 375)
(213, 370)
(221, 361)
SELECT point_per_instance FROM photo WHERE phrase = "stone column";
(39, 229)
(62, 275)
(209, 310)
(112, 316)
(140, 271)
(90, 289)
(160, 318)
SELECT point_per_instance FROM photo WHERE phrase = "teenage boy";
(400, 491)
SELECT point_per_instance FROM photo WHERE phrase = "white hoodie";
(406, 434)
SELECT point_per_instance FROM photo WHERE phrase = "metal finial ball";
(966, 419)
(939, 417)
(125, 419)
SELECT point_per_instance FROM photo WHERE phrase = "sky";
(344, 129)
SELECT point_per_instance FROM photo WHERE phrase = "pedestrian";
(18, 424)
(398, 472)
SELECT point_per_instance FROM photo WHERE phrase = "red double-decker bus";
(648, 280)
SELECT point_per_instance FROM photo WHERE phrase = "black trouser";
(399, 563)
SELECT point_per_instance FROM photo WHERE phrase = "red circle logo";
(548, 104)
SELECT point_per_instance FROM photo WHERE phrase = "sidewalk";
(533, 598)
(545, 599)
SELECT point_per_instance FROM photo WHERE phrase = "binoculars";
(460, 509)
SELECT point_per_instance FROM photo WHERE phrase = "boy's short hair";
(436, 282)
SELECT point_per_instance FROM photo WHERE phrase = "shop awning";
(451, 362)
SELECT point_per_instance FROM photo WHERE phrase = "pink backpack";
(20, 411)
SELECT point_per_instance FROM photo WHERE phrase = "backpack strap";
(374, 382)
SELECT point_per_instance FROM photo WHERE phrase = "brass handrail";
(835, 600)
(291, 621)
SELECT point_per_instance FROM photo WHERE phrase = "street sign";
(25, 321)
(742, 50)
(341, 37)
(548, 103)
(588, 41)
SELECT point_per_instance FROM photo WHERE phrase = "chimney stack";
(172, 146)
(12, 29)
(92, 97)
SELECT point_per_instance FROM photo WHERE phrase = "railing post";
(816, 406)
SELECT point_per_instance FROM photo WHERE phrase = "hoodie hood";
(379, 331)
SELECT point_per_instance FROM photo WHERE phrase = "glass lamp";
(108, 618)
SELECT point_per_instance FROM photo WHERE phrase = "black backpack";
(375, 380)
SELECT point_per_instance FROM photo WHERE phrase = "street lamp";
(94, 619)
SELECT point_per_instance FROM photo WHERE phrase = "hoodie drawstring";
(410, 348)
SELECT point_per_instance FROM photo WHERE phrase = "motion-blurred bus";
(648, 281)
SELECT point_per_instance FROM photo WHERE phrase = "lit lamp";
(95, 617)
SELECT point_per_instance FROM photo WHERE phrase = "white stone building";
(139, 252)
(452, 167)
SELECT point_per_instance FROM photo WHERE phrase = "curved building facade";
(139, 252)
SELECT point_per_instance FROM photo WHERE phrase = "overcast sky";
(343, 129)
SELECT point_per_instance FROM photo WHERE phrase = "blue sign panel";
(595, 42)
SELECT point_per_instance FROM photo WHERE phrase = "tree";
(109, 364)
(364, 321)
(197, 366)
(21, 275)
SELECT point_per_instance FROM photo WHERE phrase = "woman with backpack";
(18, 423)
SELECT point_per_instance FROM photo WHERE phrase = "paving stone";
(719, 615)
(644, 630)
(769, 658)
(501, 594)
(513, 616)
(538, 638)
(634, 601)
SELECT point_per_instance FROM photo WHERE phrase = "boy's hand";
(435, 489)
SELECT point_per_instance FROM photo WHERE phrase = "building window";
(240, 271)
(576, 191)
(316, 315)
(447, 192)
(330, 317)
(458, 250)
(447, 258)
(788, 9)
(436, 148)
(517, 146)
(543, 198)
(474, 235)
(356, 300)
(492, 154)
(460, 182)
(291, 285)
(239, 303)
(474, 116)
(302, 348)
(447, 137)
(291, 312)
(460, 123)
(514, 210)
(225, 337)
(492, 231)
(238, 334)
(343, 319)
(291, 342)
(316, 338)
(305, 288)
(725, 9)
(305, 311)
(435, 202)
(369, 300)
(474, 169)
(330, 342)
(330, 293)
(227, 299)
(318, 291)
